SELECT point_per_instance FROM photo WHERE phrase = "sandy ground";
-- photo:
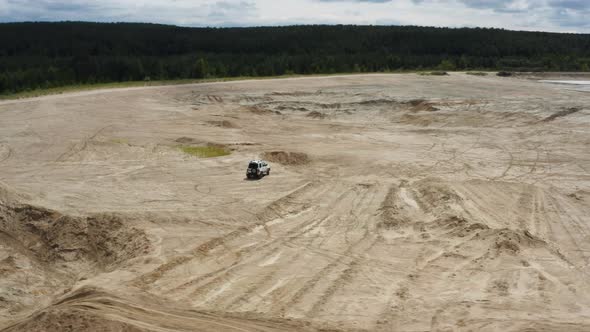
(416, 203)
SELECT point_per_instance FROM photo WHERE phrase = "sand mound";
(291, 108)
(391, 213)
(434, 195)
(513, 241)
(51, 251)
(377, 102)
(421, 105)
(71, 320)
(216, 145)
(102, 240)
(223, 124)
(65, 315)
(186, 140)
(579, 195)
(92, 309)
(286, 158)
(259, 110)
(316, 115)
(562, 113)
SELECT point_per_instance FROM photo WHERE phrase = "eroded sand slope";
(401, 203)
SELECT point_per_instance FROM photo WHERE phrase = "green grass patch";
(205, 151)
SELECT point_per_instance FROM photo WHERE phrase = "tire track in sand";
(344, 266)
(5, 152)
(243, 254)
(266, 249)
(267, 215)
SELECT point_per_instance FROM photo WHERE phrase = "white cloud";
(545, 15)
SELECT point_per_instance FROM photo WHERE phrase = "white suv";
(257, 169)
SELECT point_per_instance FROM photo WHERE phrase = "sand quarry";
(395, 203)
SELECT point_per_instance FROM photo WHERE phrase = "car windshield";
(253, 165)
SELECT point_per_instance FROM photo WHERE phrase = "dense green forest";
(42, 55)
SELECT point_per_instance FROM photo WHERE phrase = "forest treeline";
(44, 55)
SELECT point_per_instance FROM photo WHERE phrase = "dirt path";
(412, 203)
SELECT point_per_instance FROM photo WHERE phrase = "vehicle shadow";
(253, 179)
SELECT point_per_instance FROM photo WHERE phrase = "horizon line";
(290, 25)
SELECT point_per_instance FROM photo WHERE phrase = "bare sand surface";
(395, 203)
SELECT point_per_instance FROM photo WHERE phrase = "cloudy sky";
(544, 15)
